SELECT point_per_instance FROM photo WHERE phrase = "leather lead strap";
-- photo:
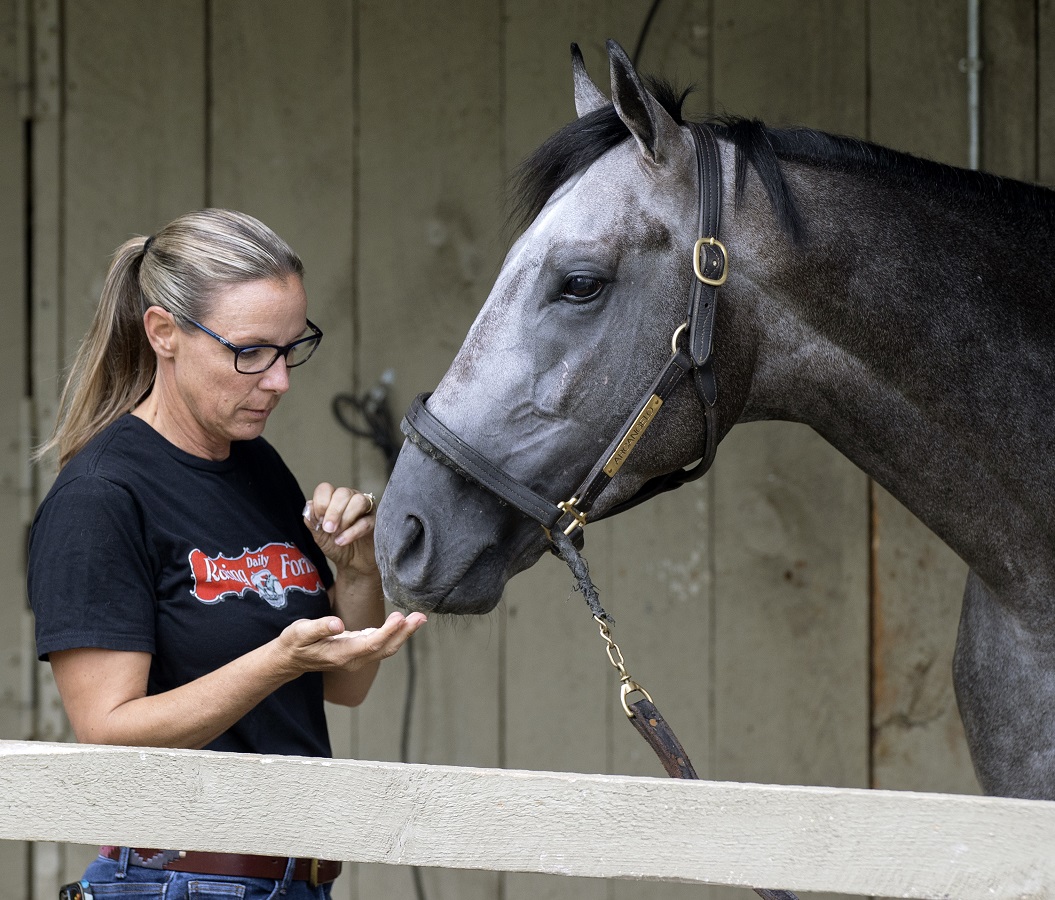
(661, 738)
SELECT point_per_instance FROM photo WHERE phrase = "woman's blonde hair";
(179, 269)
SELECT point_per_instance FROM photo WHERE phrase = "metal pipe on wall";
(972, 65)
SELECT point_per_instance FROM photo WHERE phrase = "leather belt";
(239, 865)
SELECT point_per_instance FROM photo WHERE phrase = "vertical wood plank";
(133, 116)
(791, 515)
(918, 104)
(557, 708)
(281, 135)
(791, 521)
(15, 650)
(1009, 88)
(45, 859)
(428, 176)
(561, 704)
(1045, 64)
(281, 132)
(918, 99)
(135, 95)
(14, 389)
(658, 579)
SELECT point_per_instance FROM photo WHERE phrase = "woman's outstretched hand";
(322, 645)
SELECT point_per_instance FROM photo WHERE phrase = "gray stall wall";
(792, 620)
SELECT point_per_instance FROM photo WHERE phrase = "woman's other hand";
(342, 522)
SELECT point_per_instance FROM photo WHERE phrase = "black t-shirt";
(140, 546)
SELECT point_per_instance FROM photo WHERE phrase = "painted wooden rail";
(895, 844)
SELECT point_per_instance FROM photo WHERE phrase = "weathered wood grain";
(855, 841)
(428, 214)
(561, 700)
(129, 149)
(918, 582)
(16, 650)
(791, 517)
(1045, 87)
(282, 148)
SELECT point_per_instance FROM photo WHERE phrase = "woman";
(179, 581)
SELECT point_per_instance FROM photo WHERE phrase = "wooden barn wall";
(795, 623)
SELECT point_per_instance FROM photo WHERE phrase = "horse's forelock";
(577, 146)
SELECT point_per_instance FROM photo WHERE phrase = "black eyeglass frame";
(280, 350)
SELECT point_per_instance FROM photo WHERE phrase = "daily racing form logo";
(272, 572)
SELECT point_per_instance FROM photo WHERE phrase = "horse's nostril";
(410, 549)
(413, 532)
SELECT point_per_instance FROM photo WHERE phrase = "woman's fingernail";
(329, 527)
(307, 510)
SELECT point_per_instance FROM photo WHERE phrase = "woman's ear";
(162, 331)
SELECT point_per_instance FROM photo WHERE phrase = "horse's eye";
(580, 288)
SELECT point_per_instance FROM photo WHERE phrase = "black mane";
(583, 141)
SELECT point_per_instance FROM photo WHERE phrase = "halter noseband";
(710, 265)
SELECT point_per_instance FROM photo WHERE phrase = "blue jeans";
(111, 880)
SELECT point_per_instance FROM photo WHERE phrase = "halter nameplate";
(643, 420)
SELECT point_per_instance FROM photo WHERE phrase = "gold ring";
(373, 503)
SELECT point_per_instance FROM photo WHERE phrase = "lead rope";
(643, 714)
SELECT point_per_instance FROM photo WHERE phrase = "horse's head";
(577, 325)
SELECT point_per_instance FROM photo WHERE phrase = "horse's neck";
(920, 366)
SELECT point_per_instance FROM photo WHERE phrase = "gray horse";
(900, 308)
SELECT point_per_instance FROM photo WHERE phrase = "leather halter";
(710, 266)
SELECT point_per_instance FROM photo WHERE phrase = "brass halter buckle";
(696, 264)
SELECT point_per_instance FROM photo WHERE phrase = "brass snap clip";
(615, 657)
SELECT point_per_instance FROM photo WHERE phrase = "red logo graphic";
(272, 572)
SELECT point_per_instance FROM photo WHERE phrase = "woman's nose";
(276, 379)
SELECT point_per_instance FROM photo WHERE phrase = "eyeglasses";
(257, 358)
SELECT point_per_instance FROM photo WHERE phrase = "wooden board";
(1010, 106)
(561, 699)
(428, 176)
(804, 838)
(16, 657)
(132, 138)
(918, 104)
(281, 141)
(558, 698)
(1045, 71)
(791, 517)
(14, 389)
(281, 149)
(45, 861)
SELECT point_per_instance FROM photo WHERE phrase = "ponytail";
(114, 366)
(177, 269)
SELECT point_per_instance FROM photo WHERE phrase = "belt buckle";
(313, 873)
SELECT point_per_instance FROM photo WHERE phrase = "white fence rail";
(895, 844)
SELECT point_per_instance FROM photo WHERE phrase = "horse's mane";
(583, 141)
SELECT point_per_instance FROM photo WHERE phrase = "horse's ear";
(649, 123)
(588, 97)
